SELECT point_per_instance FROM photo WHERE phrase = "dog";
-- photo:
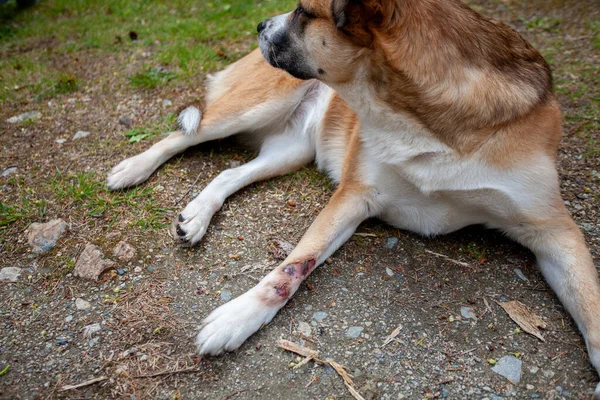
(426, 114)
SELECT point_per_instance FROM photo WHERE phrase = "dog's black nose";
(261, 26)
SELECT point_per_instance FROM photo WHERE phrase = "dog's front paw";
(227, 327)
(596, 395)
(131, 172)
(191, 224)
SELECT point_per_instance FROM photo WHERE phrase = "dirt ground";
(148, 316)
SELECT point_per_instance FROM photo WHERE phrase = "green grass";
(183, 39)
(87, 193)
(152, 129)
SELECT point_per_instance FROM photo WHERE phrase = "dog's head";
(324, 39)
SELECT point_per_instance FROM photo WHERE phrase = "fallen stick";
(80, 385)
(464, 264)
(309, 353)
(178, 371)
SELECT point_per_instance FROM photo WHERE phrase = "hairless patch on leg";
(290, 270)
(308, 266)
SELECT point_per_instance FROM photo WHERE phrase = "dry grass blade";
(341, 370)
(312, 354)
(83, 384)
(462, 264)
(296, 348)
(527, 320)
(391, 336)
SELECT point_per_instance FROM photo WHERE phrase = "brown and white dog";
(427, 115)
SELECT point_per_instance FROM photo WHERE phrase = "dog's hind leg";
(278, 155)
(235, 104)
(568, 267)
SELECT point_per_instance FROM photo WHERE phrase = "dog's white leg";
(137, 169)
(568, 267)
(279, 155)
(227, 327)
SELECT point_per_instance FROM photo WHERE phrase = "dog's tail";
(189, 120)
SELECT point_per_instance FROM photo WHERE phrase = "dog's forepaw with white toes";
(227, 327)
(130, 172)
(191, 224)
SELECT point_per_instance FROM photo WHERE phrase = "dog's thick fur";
(427, 115)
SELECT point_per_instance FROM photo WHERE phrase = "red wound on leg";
(281, 291)
(308, 266)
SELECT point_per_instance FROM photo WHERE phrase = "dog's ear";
(358, 19)
(374, 13)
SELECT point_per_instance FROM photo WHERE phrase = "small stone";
(81, 304)
(225, 295)
(520, 274)
(467, 312)
(69, 318)
(534, 370)
(89, 330)
(530, 387)
(60, 140)
(151, 268)
(91, 263)
(10, 274)
(389, 271)
(43, 237)
(8, 171)
(212, 276)
(304, 328)
(510, 368)
(126, 121)
(319, 316)
(81, 135)
(354, 331)
(121, 271)
(62, 341)
(391, 242)
(144, 357)
(167, 103)
(28, 116)
(137, 270)
(124, 251)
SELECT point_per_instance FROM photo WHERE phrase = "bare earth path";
(147, 309)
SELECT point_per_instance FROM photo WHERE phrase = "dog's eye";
(301, 11)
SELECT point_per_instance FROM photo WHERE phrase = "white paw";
(227, 327)
(132, 171)
(191, 224)
(597, 393)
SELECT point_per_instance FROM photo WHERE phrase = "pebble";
(81, 304)
(31, 115)
(137, 270)
(151, 268)
(69, 318)
(91, 263)
(10, 274)
(81, 135)
(121, 271)
(9, 171)
(467, 312)
(62, 341)
(304, 328)
(144, 357)
(319, 316)
(530, 387)
(212, 276)
(354, 331)
(391, 242)
(389, 271)
(89, 330)
(225, 295)
(520, 274)
(126, 121)
(43, 237)
(167, 103)
(60, 140)
(509, 367)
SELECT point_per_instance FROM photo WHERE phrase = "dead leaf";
(527, 320)
(392, 336)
